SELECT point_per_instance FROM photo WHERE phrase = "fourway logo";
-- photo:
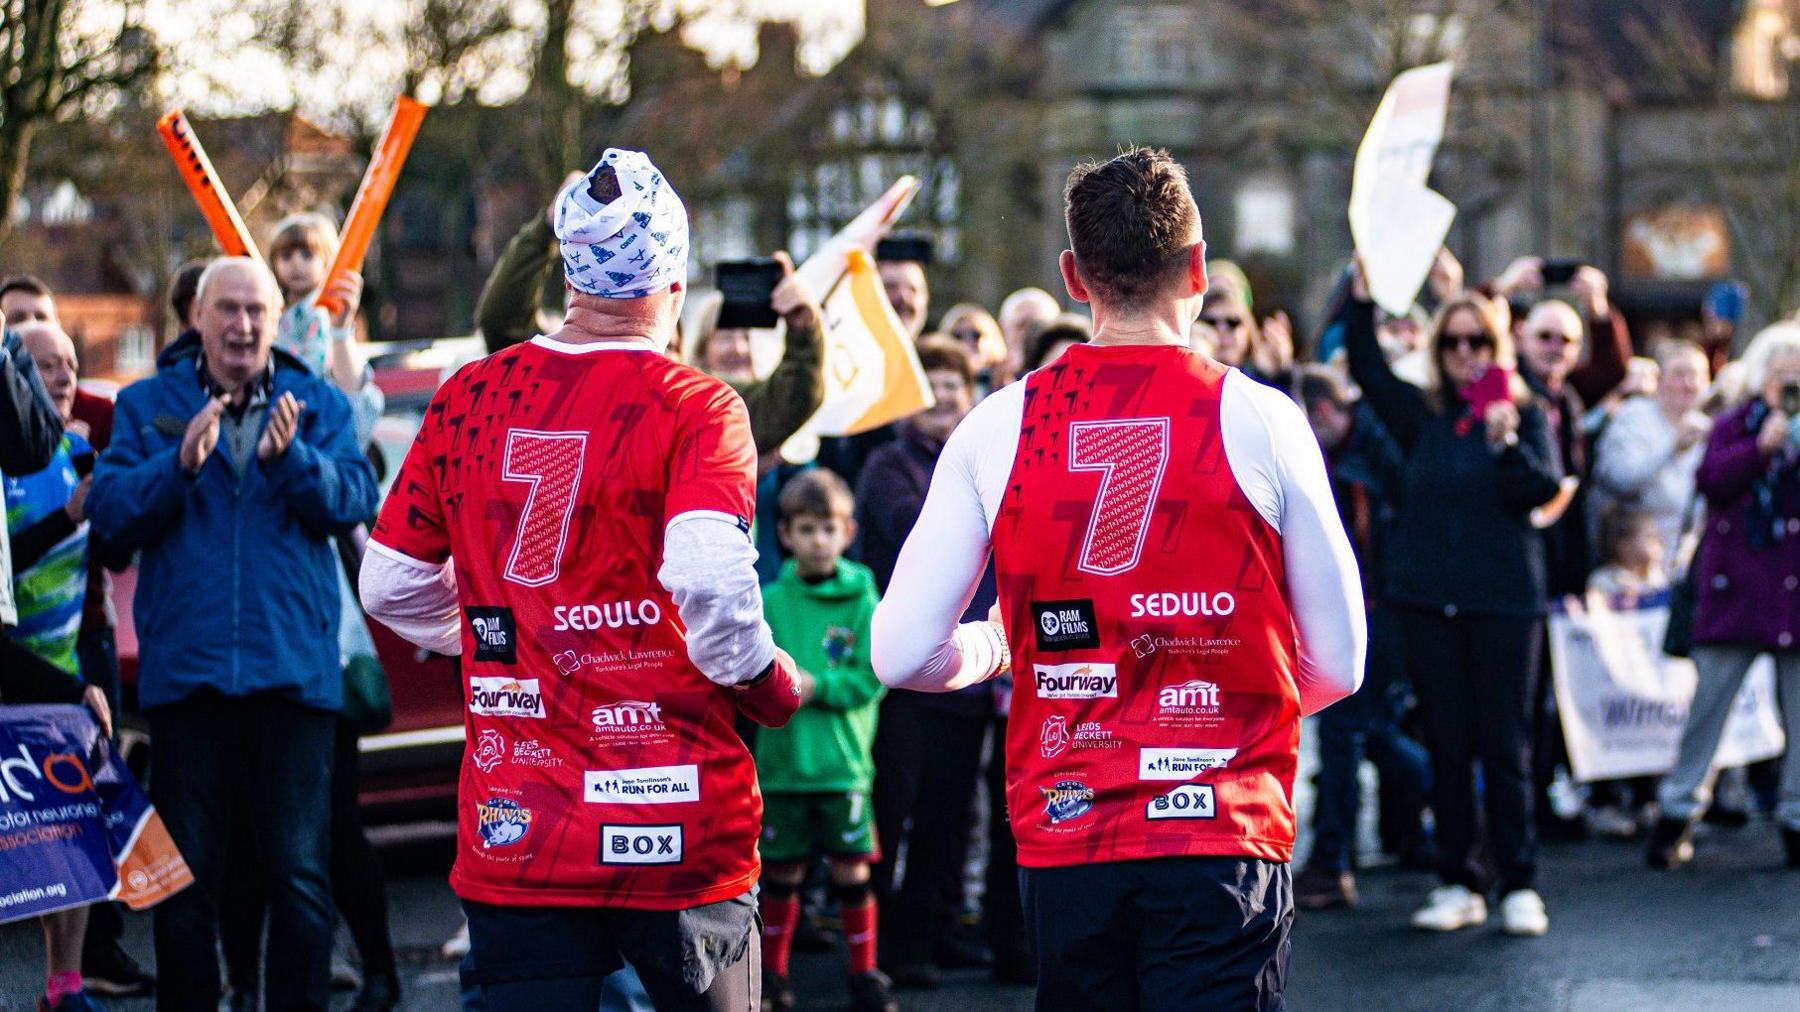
(649, 785)
(1181, 763)
(505, 697)
(1076, 681)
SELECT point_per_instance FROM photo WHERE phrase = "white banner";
(1624, 702)
(1397, 221)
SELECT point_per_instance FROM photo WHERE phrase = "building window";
(1264, 209)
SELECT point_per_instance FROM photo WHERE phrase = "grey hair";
(1775, 339)
(256, 267)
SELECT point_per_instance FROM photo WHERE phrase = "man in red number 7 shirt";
(1175, 591)
(573, 521)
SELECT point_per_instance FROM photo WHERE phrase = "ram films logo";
(505, 697)
(613, 615)
(501, 822)
(1076, 681)
(1066, 800)
(1066, 625)
(1054, 737)
(489, 751)
(496, 634)
(62, 770)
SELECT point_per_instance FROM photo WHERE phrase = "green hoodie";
(825, 627)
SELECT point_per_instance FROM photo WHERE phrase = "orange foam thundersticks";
(197, 172)
(372, 196)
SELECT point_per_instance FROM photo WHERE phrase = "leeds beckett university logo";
(496, 637)
(1181, 763)
(1067, 799)
(501, 822)
(1065, 625)
(1076, 681)
(1054, 737)
(490, 751)
(505, 697)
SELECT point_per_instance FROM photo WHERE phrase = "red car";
(409, 769)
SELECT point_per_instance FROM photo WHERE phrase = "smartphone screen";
(747, 286)
(1495, 384)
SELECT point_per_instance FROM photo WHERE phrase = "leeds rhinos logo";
(501, 822)
(1066, 800)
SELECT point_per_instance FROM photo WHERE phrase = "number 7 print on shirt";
(551, 463)
(1131, 455)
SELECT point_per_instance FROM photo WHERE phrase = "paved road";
(1724, 934)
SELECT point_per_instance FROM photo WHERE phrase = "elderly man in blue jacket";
(230, 470)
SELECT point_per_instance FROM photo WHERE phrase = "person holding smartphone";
(1746, 572)
(1466, 575)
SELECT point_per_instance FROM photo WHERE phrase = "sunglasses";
(1556, 337)
(1465, 342)
(1223, 322)
(966, 336)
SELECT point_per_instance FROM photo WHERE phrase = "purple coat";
(1746, 596)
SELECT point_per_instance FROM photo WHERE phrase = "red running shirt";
(601, 767)
(1155, 711)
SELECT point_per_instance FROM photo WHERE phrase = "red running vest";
(1155, 712)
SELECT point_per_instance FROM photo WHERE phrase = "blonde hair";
(1775, 339)
(1505, 354)
(985, 324)
(308, 230)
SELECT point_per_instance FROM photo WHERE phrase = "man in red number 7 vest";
(573, 520)
(1176, 590)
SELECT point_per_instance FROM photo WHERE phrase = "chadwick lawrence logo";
(496, 637)
(1065, 625)
(505, 697)
(1076, 681)
(1181, 763)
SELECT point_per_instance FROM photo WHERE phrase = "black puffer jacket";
(1463, 541)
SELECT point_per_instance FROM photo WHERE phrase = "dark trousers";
(358, 886)
(1177, 934)
(1476, 679)
(98, 650)
(1002, 911)
(926, 760)
(214, 756)
(545, 959)
(1367, 724)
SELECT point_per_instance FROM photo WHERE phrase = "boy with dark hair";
(816, 771)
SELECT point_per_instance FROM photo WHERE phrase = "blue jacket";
(235, 586)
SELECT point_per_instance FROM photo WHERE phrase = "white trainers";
(458, 945)
(1522, 913)
(1451, 908)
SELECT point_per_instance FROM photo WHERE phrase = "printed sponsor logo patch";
(501, 822)
(648, 785)
(1076, 681)
(1066, 800)
(641, 844)
(1065, 625)
(1181, 763)
(496, 636)
(1189, 801)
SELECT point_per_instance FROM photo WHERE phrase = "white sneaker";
(1522, 913)
(1451, 908)
(458, 945)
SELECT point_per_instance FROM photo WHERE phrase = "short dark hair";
(25, 283)
(1131, 222)
(1323, 383)
(816, 492)
(937, 352)
(1067, 327)
(183, 288)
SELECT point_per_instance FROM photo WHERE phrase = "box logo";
(496, 636)
(1065, 625)
(1189, 801)
(640, 844)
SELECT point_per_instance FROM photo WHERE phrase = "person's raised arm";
(1399, 404)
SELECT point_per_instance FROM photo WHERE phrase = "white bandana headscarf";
(631, 247)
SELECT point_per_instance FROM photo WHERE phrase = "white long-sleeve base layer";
(916, 642)
(709, 568)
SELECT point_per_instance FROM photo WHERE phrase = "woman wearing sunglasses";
(1466, 575)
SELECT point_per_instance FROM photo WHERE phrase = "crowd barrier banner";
(203, 182)
(1623, 701)
(372, 196)
(75, 828)
(1398, 222)
(872, 373)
